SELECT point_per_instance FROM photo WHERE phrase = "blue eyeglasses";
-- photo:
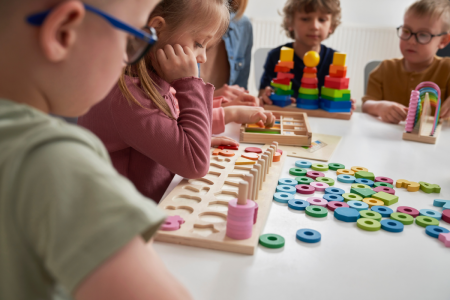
(139, 41)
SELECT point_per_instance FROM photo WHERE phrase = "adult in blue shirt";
(228, 63)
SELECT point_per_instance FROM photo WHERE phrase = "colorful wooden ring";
(385, 189)
(319, 167)
(352, 197)
(326, 180)
(408, 210)
(346, 178)
(368, 182)
(405, 219)
(253, 149)
(430, 213)
(314, 174)
(345, 172)
(305, 189)
(332, 205)
(370, 215)
(303, 164)
(385, 212)
(445, 238)
(391, 225)
(425, 221)
(287, 181)
(384, 179)
(317, 201)
(297, 171)
(346, 214)
(283, 197)
(276, 157)
(446, 216)
(334, 191)
(280, 151)
(270, 240)
(358, 205)
(368, 224)
(319, 186)
(359, 186)
(298, 204)
(308, 235)
(316, 211)
(304, 180)
(227, 153)
(358, 169)
(335, 166)
(386, 184)
(373, 202)
(435, 231)
(333, 197)
(286, 189)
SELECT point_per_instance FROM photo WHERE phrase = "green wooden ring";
(360, 186)
(368, 214)
(405, 219)
(368, 224)
(425, 221)
(316, 211)
(335, 166)
(352, 197)
(297, 171)
(319, 167)
(304, 180)
(326, 180)
(377, 184)
(271, 240)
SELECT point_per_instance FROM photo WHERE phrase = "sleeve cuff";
(218, 120)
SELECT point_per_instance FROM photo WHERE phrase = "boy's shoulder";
(443, 62)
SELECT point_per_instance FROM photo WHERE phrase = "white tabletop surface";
(348, 263)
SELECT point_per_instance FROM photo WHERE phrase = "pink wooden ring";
(314, 174)
(317, 201)
(384, 189)
(408, 210)
(319, 186)
(305, 189)
(172, 223)
(332, 205)
(384, 179)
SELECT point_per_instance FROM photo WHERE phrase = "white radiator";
(362, 45)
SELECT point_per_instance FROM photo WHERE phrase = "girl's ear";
(444, 41)
(159, 23)
(58, 33)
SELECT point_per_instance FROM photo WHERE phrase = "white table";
(348, 263)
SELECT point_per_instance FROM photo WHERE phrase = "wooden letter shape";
(410, 186)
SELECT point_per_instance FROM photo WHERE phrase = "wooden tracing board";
(203, 204)
(318, 113)
(290, 128)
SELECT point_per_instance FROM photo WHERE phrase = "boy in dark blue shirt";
(308, 23)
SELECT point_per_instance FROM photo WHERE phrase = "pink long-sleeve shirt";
(147, 146)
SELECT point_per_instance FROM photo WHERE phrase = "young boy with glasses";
(71, 226)
(425, 31)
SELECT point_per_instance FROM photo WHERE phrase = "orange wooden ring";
(345, 172)
(358, 169)
(276, 156)
(226, 153)
(373, 202)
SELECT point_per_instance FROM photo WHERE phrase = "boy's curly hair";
(437, 9)
(332, 7)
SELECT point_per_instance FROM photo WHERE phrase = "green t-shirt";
(63, 207)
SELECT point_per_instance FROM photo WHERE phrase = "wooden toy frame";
(422, 132)
(299, 129)
(201, 195)
(319, 113)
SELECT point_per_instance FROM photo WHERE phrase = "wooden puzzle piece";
(227, 153)
(286, 54)
(345, 172)
(216, 151)
(446, 216)
(358, 169)
(216, 165)
(429, 188)
(228, 147)
(339, 58)
(410, 186)
(244, 161)
(287, 64)
(388, 199)
(251, 156)
(445, 204)
(445, 238)
(364, 174)
(172, 223)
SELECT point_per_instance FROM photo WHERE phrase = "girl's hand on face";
(176, 62)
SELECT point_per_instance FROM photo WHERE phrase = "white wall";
(384, 13)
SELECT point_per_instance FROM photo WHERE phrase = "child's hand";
(223, 140)
(243, 99)
(264, 96)
(250, 115)
(445, 109)
(353, 104)
(176, 62)
(229, 91)
(392, 112)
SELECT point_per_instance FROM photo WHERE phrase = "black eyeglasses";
(139, 41)
(421, 37)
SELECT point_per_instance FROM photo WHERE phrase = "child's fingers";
(266, 100)
(178, 50)
(270, 119)
(399, 112)
(261, 116)
(268, 91)
(260, 124)
(169, 51)
(445, 112)
(293, 100)
(161, 55)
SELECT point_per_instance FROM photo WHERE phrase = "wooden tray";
(319, 113)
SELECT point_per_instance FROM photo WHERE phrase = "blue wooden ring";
(346, 214)
(384, 211)
(365, 181)
(308, 235)
(430, 213)
(283, 197)
(346, 178)
(391, 225)
(333, 197)
(286, 189)
(435, 231)
(334, 191)
(298, 204)
(303, 164)
(358, 205)
(287, 181)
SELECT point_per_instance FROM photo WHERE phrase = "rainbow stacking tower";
(308, 94)
(335, 95)
(283, 84)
